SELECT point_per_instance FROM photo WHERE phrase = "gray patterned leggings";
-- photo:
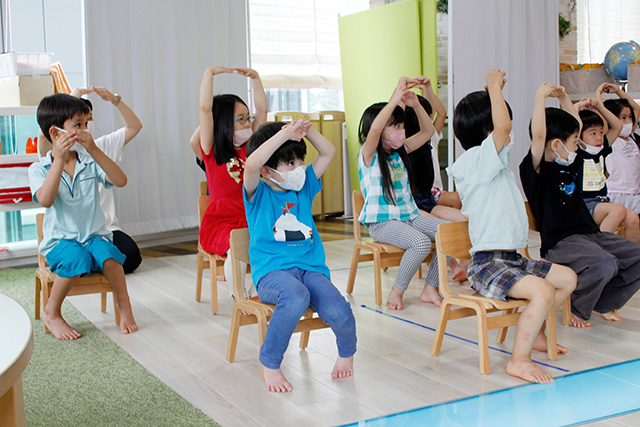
(415, 237)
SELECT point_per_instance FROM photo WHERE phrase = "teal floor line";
(575, 398)
(459, 338)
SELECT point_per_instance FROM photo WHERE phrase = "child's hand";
(423, 81)
(62, 145)
(410, 99)
(85, 139)
(247, 72)
(549, 90)
(398, 94)
(80, 91)
(495, 77)
(105, 94)
(406, 82)
(297, 130)
(609, 88)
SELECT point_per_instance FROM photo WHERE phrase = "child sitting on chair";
(498, 224)
(287, 256)
(607, 265)
(76, 241)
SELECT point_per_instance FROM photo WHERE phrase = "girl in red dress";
(225, 127)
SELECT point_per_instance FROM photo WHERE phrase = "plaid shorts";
(492, 274)
(436, 193)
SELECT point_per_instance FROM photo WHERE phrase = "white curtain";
(602, 23)
(153, 53)
(295, 44)
(519, 37)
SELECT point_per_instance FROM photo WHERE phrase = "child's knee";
(545, 293)
(420, 244)
(565, 279)
(617, 211)
(632, 220)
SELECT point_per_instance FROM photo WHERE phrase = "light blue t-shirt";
(76, 213)
(490, 198)
(283, 233)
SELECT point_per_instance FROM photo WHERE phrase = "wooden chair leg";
(116, 309)
(233, 334)
(45, 300)
(354, 268)
(552, 340)
(445, 312)
(502, 332)
(103, 301)
(377, 274)
(38, 293)
(566, 311)
(483, 339)
(304, 336)
(214, 285)
(200, 270)
(419, 273)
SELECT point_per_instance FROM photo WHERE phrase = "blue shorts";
(425, 201)
(69, 258)
(592, 202)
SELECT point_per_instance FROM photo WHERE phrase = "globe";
(619, 56)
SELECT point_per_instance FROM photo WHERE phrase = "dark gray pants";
(608, 269)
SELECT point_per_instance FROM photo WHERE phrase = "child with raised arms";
(286, 252)
(498, 224)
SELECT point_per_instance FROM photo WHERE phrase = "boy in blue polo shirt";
(65, 182)
(287, 256)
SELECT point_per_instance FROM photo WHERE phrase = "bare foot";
(275, 381)
(459, 275)
(432, 295)
(612, 316)
(540, 344)
(578, 322)
(394, 300)
(127, 322)
(59, 327)
(343, 367)
(528, 371)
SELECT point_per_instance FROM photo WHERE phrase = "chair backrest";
(452, 239)
(203, 204)
(532, 221)
(357, 202)
(203, 188)
(39, 222)
(290, 116)
(239, 245)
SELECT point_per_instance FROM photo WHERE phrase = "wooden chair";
(566, 305)
(453, 239)
(206, 260)
(383, 255)
(259, 312)
(94, 283)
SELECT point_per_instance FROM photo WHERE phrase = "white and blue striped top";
(376, 208)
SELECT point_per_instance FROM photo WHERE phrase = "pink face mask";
(241, 136)
(394, 138)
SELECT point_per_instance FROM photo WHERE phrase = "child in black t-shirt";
(594, 148)
(607, 265)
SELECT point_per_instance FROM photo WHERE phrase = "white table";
(16, 347)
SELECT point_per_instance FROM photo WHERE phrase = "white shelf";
(8, 159)
(19, 111)
(10, 207)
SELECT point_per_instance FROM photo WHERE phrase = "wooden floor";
(184, 345)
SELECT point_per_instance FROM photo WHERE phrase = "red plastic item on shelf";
(31, 146)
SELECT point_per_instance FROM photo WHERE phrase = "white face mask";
(77, 147)
(562, 162)
(91, 127)
(626, 130)
(241, 136)
(593, 150)
(293, 180)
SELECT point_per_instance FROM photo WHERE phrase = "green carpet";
(90, 381)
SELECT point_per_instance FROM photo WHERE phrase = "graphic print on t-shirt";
(567, 185)
(235, 167)
(288, 228)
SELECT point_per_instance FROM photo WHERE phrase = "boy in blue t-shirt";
(65, 182)
(287, 257)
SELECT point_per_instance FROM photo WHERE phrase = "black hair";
(54, 110)
(590, 119)
(290, 150)
(398, 116)
(472, 119)
(411, 122)
(559, 123)
(89, 104)
(617, 105)
(223, 107)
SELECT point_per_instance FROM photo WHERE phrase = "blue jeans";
(293, 291)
